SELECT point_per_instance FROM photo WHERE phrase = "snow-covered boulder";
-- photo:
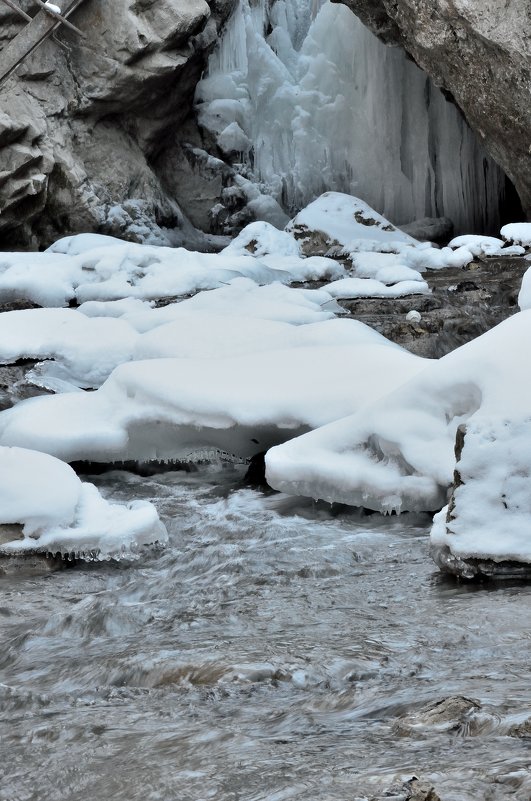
(262, 239)
(344, 224)
(45, 508)
(397, 453)
(82, 347)
(87, 348)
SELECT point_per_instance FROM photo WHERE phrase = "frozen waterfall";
(306, 99)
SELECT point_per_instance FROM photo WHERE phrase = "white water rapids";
(277, 650)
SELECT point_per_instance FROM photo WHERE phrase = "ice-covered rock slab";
(397, 453)
(45, 508)
(168, 408)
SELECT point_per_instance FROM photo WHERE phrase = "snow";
(263, 239)
(480, 245)
(94, 268)
(397, 453)
(60, 514)
(386, 267)
(167, 408)
(89, 348)
(518, 233)
(524, 296)
(384, 261)
(369, 288)
(243, 298)
(77, 244)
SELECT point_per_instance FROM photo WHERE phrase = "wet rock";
(521, 729)
(29, 565)
(412, 790)
(464, 303)
(14, 386)
(479, 52)
(420, 790)
(256, 472)
(430, 229)
(445, 715)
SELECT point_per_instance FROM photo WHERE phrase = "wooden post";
(41, 26)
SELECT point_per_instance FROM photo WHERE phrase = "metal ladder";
(39, 28)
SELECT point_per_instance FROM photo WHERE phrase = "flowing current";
(277, 649)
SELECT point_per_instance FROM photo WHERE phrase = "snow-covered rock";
(49, 510)
(88, 348)
(397, 453)
(480, 245)
(485, 528)
(346, 224)
(263, 239)
(518, 233)
(370, 288)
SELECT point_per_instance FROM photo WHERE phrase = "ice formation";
(45, 508)
(306, 100)
(398, 453)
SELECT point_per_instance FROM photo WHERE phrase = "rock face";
(480, 52)
(83, 122)
(98, 134)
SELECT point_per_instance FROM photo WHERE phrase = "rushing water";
(277, 649)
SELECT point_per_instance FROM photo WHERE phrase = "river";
(276, 649)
